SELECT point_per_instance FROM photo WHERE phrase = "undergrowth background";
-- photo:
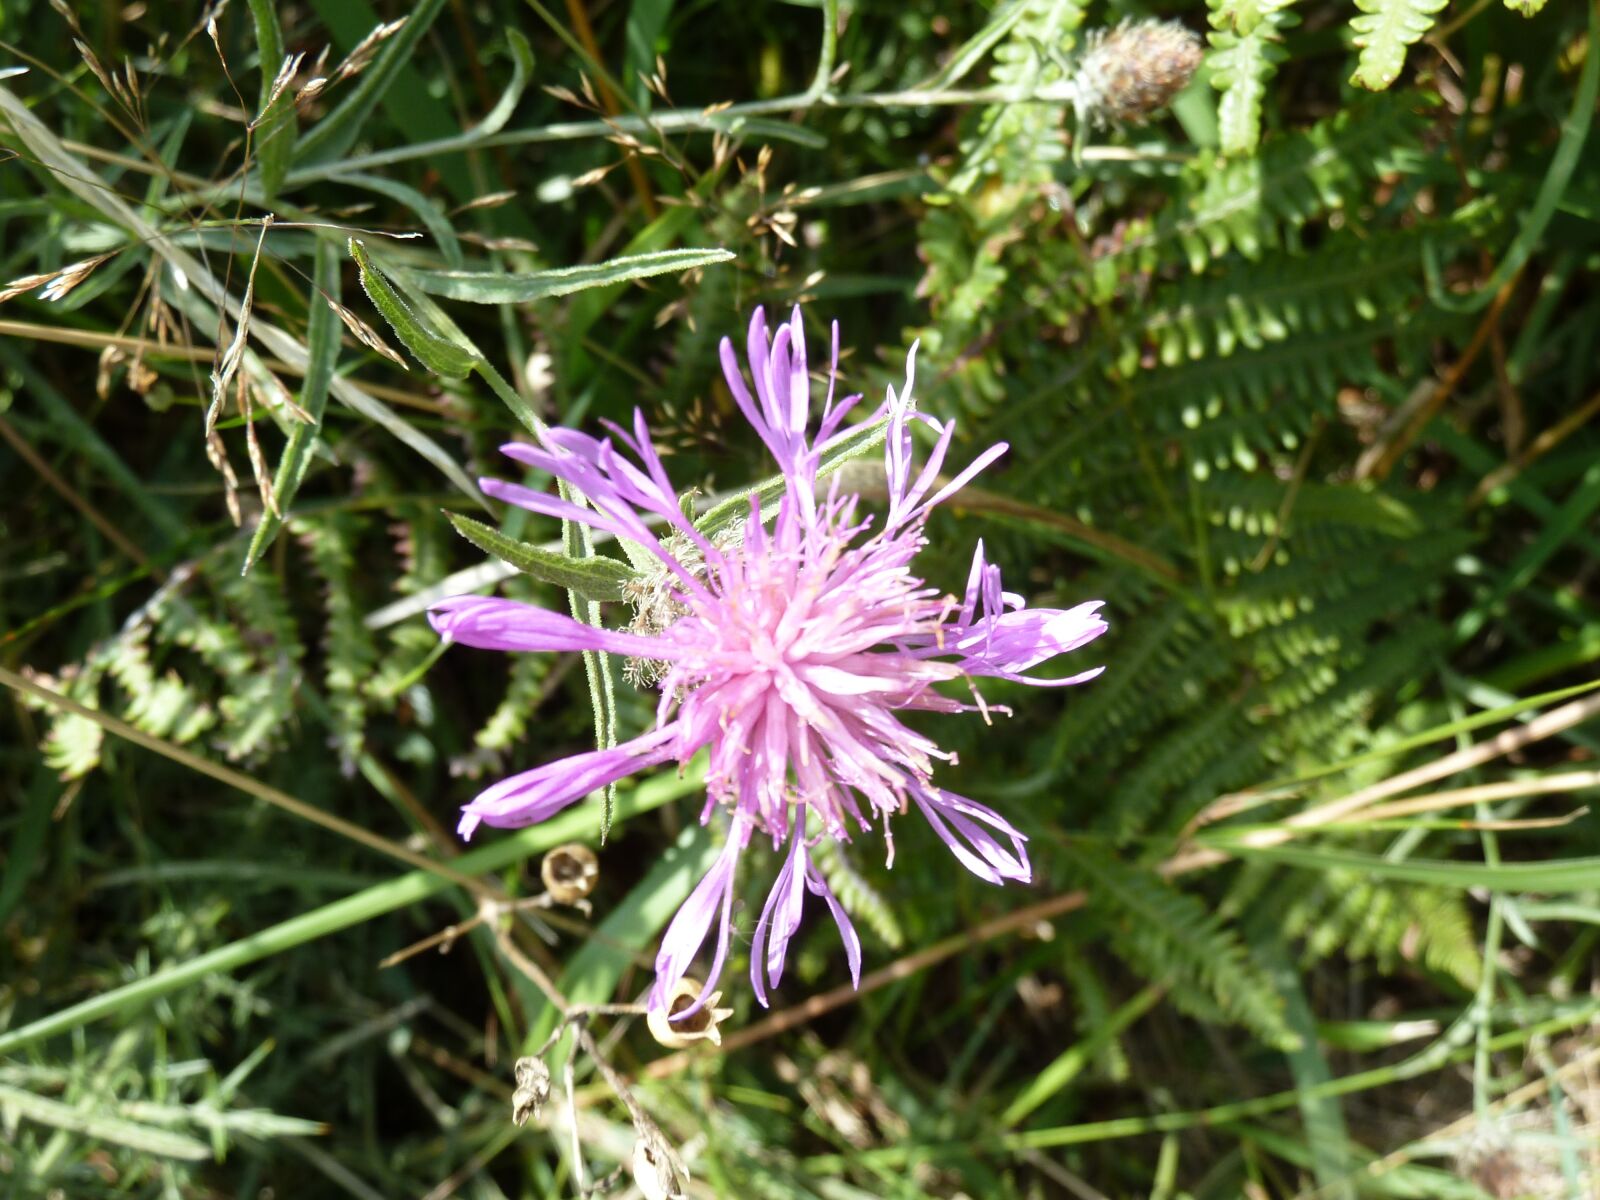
(1300, 377)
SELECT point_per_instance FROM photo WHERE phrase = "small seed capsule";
(700, 1027)
(569, 872)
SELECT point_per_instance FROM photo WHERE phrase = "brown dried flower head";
(701, 1026)
(1133, 71)
(533, 1089)
(569, 872)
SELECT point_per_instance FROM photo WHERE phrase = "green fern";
(1247, 48)
(1018, 143)
(72, 744)
(1247, 205)
(1388, 924)
(349, 650)
(1384, 31)
(1171, 938)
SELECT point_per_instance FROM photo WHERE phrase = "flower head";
(792, 645)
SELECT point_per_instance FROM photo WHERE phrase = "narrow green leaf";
(977, 48)
(277, 122)
(426, 207)
(1066, 1066)
(322, 349)
(100, 1125)
(647, 19)
(1563, 875)
(1320, 1114)
(597, 578)
(486, 287)
(521, 71)
(438, 354)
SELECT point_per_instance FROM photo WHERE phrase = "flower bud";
(569, 872)
(701, 1026)
(1133, 71)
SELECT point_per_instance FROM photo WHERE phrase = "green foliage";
(1016, 144)
(1383, 31)
(1171, 938)
(1200, 337)
(594, 578)
(1247, 45)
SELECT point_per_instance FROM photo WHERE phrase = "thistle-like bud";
(569, 872)
(701, 1026)
(1131, 72)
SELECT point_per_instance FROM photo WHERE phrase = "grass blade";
(322, 350)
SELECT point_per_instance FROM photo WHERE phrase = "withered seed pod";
(701, 1027)
(569, 872)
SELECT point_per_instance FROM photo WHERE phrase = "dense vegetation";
(1299, 377)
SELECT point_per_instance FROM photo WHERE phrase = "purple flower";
(788, 648)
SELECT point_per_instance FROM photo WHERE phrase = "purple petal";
(688, 930)
(983, 854)
(780, 917)
(490, 623)
(532, 796)
(554, 506)
(1013, 642)
(847, 932)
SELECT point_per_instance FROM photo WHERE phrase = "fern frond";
(72, 744)
(350, 654)
(1170, 937)
(530, 678)
(163, 705)
(1245, 205)
(1387, 923)
(258, 669)
(1384, 31)
(1018, 143)
(1246, 50)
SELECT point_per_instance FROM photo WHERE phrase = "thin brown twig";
(196, 354)
(1536, 449)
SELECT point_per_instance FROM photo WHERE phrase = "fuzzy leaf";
(597, 578)
(489, 287)
(438, 354)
